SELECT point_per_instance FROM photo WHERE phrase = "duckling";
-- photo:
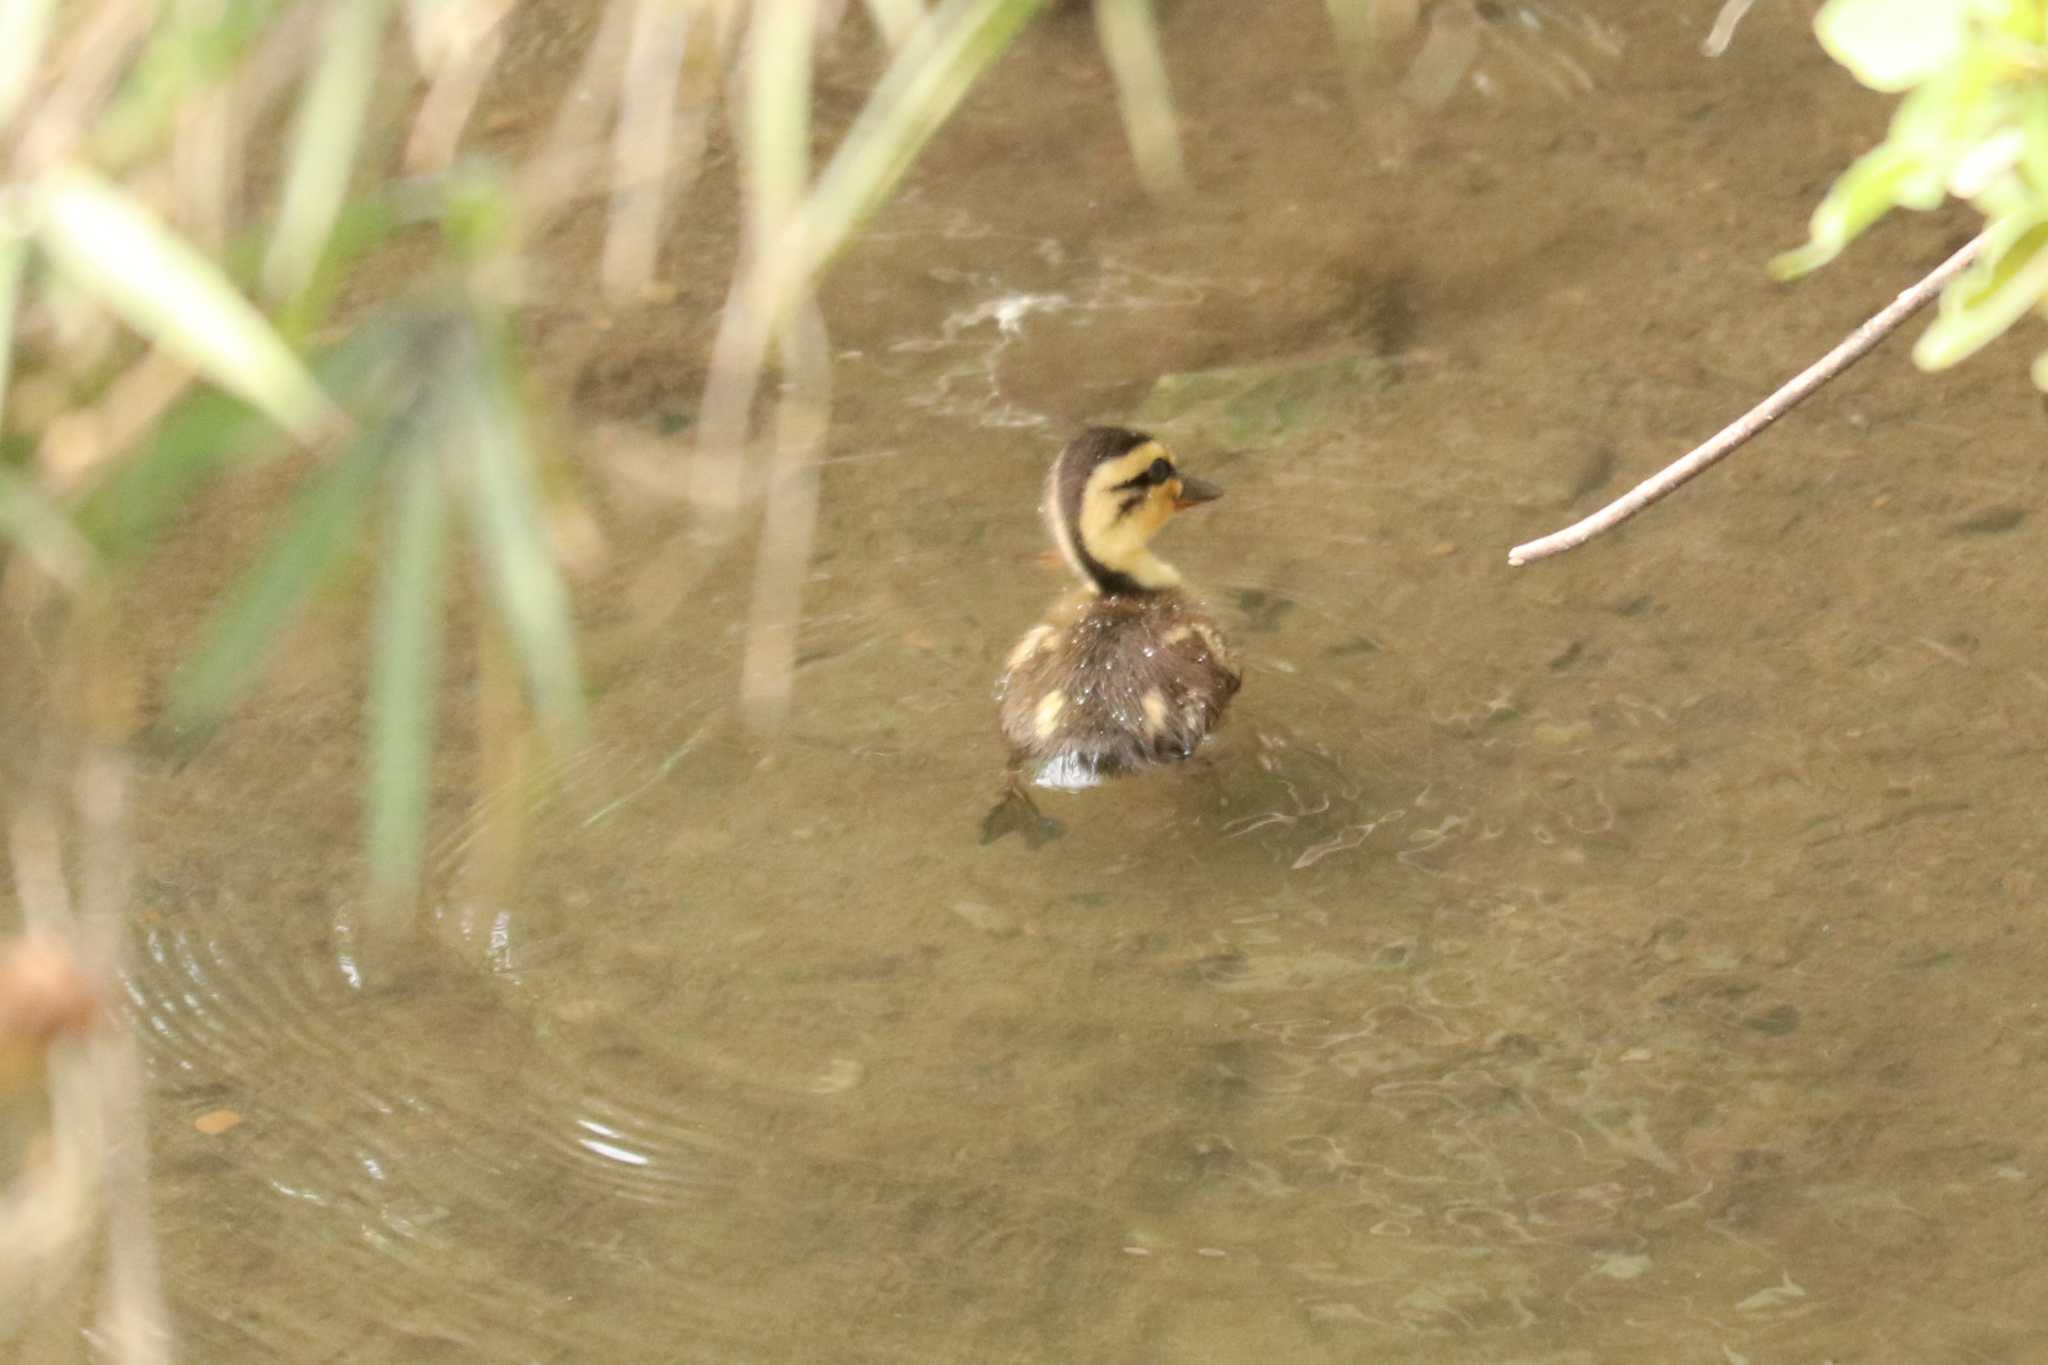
(1127, 672)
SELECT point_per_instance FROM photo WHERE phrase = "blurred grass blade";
(322, 527)
(325, 140)
(13, 255)
(24, 27)
(644, 165)
(789, 522)
(925, 80)
(776, 136)
(206, 430)
(913, 99)
(107, 243)
(189, 47)
(27, 517)
(896, 19)
(519, 559)
(457, 43)
(780, 47)
(1130, 41)
(404, 677)
(362, 225)
(40, 530)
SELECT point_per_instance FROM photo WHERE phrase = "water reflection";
(1615, 961)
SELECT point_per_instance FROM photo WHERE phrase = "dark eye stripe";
(1158, 472)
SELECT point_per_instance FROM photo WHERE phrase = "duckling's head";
(1109, 493)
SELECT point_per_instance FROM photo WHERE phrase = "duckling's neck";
(1114, 570)
(1146, 573)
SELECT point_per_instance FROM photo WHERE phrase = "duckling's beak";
(1194, 491)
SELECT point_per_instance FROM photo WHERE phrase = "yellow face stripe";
(1114, 531)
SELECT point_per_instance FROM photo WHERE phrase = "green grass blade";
(519, 560)
(404, 677)
(323, 525)
(27, 517)
(924, 83)
(896, 19)
(325, 139)
(106, 243)
(207, 431)
(927, 78)
(1130, 41)
(24, 27)
(191, 46)
(42, 532)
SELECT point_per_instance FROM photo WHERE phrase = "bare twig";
(1725, 24)
(1800, 387)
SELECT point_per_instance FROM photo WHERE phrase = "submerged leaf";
(106, 242)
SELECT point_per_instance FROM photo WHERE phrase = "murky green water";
(1630, 958)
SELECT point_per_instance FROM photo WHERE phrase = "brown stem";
(1853, 348)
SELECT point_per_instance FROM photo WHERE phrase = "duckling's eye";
(1160, 472)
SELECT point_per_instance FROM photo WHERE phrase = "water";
(1631, 957)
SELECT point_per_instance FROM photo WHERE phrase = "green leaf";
(1893, 45)
(1867, 191)
(325, 139)
(2008, 280)
(107, 243)
(505, 511)
(324, 522)
(404, 678)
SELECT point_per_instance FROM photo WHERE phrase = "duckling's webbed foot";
(1017, 812)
